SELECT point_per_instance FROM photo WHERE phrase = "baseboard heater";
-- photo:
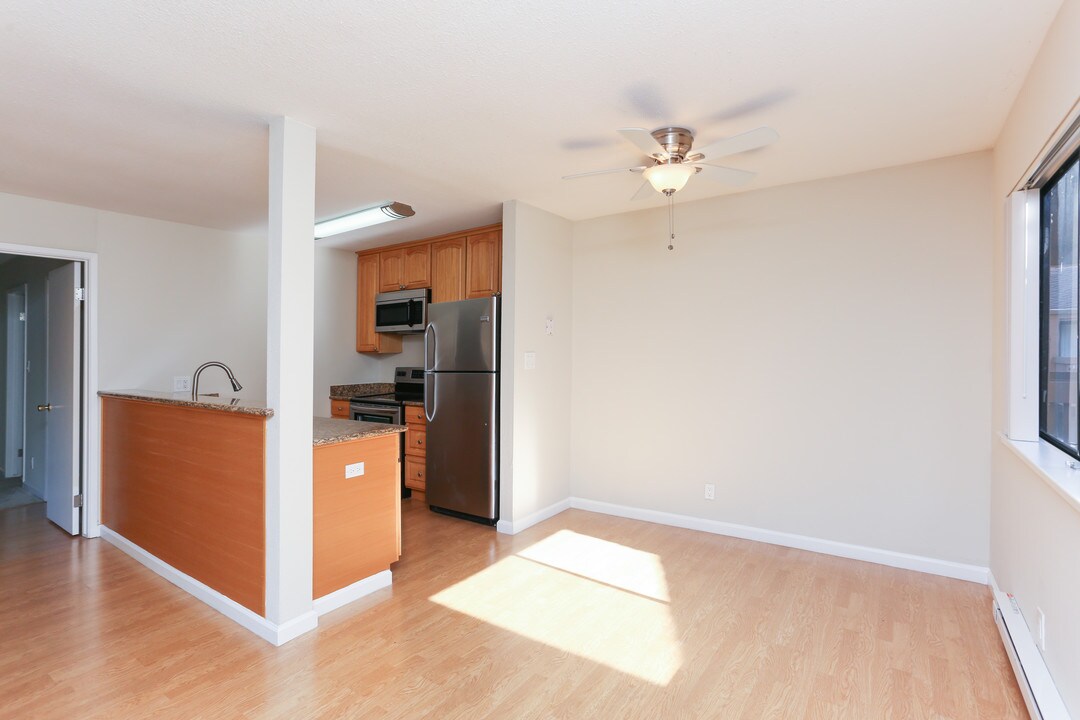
(1036, 685)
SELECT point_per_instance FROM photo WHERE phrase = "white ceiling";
(159, 108)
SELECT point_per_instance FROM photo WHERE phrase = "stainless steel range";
(390, 407)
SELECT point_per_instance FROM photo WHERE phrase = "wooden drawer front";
(340, 409)
(415, 473)
(414, 415)
(416, 440)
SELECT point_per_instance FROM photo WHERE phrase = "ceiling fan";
(671, 162)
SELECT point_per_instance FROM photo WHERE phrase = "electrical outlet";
(530, 361)
(549, 326)
(1042, 628)
(710, 491)
(181, 383)
(354, 470)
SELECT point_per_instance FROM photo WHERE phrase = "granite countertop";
(419, 403)
(346, 392)
(329, 431)
(240, 406)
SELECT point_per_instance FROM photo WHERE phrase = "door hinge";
(80, 293)
(78, 500)
(22, 317)
(20, 453)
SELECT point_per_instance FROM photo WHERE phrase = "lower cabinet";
(340, 409)
(357, 520)
(415, 448)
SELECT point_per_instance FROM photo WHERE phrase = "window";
(1059, 379)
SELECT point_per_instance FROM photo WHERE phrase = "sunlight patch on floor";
(559, 592)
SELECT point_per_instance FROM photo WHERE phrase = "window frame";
(1044, 319)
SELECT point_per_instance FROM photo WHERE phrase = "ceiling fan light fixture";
(669, 177)
(363, 218)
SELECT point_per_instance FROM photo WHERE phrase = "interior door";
(62, 436)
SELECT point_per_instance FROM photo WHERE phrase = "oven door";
(388, 414)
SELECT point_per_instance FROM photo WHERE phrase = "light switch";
(354, 470)
(530, 361)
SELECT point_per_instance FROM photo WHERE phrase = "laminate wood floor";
(583, 616)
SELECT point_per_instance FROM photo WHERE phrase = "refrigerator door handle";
(429, 396)
(429, 349)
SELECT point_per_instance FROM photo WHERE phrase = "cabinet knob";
(419, 441)
(419, 473)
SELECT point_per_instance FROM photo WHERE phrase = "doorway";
(48, 376)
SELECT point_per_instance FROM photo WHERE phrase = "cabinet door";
(340, 409)
(367, 286)
(448, 270)
(483, 264)
(417, 267)
(391, 270)
(415, 473)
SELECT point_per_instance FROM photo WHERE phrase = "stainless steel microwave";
(404, 311)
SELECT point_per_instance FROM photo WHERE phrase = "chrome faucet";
(237, 387)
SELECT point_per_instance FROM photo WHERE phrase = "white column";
(289, 350)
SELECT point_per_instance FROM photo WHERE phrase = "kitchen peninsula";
(184, 482)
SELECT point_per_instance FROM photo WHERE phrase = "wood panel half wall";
(188, 486)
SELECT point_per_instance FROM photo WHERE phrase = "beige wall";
(535, 408)
(1034, 531)
(171, 296)
(817, 351)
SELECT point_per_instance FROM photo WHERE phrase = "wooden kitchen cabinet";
(448, 270)
(456, 266)
(367, 287)
(415, 448)
(340, 409)
(407, 268)
(483, 264)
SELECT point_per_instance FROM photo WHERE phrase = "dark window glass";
(1059, 382)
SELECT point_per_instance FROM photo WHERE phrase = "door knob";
(44, 408)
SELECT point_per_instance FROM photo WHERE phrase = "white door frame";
(10, 459)
(91, 421)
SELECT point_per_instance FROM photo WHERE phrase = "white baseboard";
(947, 568)
(349, 593)
(271, 632)
(513, 527)
(1036, 684)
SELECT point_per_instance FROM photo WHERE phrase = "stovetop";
(408, 385)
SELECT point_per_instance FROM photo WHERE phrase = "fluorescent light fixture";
(363, 218)
(669, 176)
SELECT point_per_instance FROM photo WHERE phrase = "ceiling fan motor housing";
(676, 141)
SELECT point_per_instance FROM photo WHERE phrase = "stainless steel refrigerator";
(461, 402)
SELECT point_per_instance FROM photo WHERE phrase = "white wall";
(534, 414)
(817, 351)
(1035, 533)
(172, 296)
(336, 359)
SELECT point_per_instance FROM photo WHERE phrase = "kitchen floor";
(582, 616)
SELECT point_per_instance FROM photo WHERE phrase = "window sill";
(1049, 463)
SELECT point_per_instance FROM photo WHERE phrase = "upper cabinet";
(457, 266)
(367, 287)
(448, 270)
(483, 264)
(405, 268)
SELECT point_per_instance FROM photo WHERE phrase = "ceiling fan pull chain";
(671, 219)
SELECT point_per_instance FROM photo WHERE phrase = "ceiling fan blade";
(750, 140)
(727, 175)
(641, 191)
(637, 168)
(643, 139)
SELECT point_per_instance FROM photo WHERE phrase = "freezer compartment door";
(462, 336)
(463, 443)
